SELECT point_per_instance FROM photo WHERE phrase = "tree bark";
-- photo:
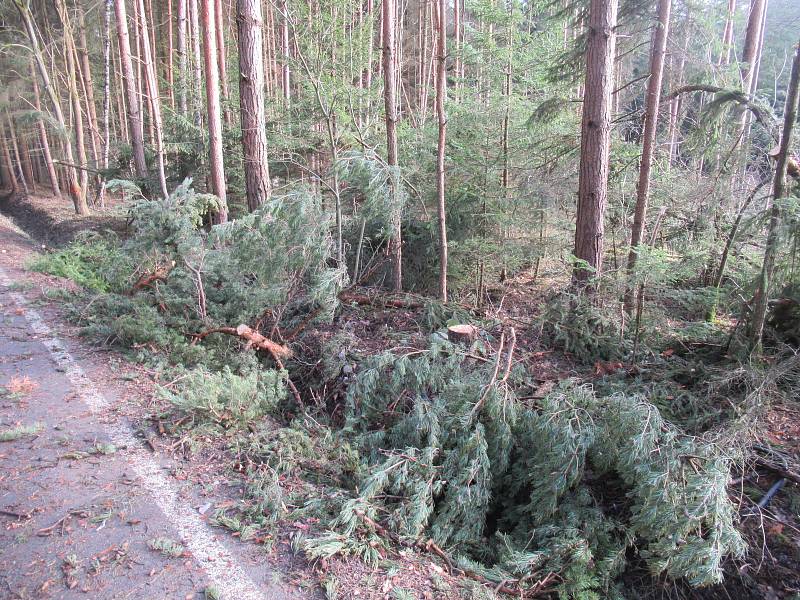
(595, 140)
(86, 71)
(22, 177)
(390, 104)
(8, 174)
(751, 42)
(75, 191)
(251, 100)
(148, 65)
(216, 164)
(285, 73)
(727, 35)
(779, 190)
(441, 93)
(43, 138)
(222, 64)
(194, 14)
(106, 96)
(131, 92)
(183, 65)
(71, 62)
(649, 142)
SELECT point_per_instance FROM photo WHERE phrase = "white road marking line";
(218, 563)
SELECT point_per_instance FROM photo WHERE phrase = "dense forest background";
(402, 206)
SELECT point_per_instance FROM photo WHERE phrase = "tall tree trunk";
(457, 46)
(595, 140)
(727, 35)
(148, 65)
(390, 104)
(8, 174)
(86, 71)
(216, 165)
(27, 163)
(183, 64)
(285, 73)
(649, 142)
(779, 190)
(251, 100)
(170, 55)
(194, 14)
(751, 42)
(75, 191)
(22, 177)
(673, 127)
(131, 91)
(43, 138)
(106, 95)
(441, 94)
(222, 62)
(70, 59)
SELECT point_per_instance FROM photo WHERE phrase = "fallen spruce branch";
(148, 279)
(381, 300)
(430, 546)
(253, 338)
(256, 340)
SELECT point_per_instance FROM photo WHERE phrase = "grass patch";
(168, 547)
(20, 431)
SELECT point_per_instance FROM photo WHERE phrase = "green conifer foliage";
(571, 486)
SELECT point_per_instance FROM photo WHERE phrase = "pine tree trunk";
(170, 55)
(673, 127)
(154, 99)
(779, 190)
(194, 14)
(285, 74)
(727, 35)
(83, 53)
(21, 176)
(441, 93)
(43, 138)
(71, 61)
(131, 91)
(390, 104)
(751, 41)
(183, 64)
(27, 163)
(8, 174)
(649, 142)
(106, 95)
(457, 46)
(222, 62)
(595, 140)
(75, 191)
(216, 163)
(251, 100)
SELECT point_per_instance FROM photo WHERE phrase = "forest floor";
(96, 502)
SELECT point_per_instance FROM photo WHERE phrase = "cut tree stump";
(462, 334)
